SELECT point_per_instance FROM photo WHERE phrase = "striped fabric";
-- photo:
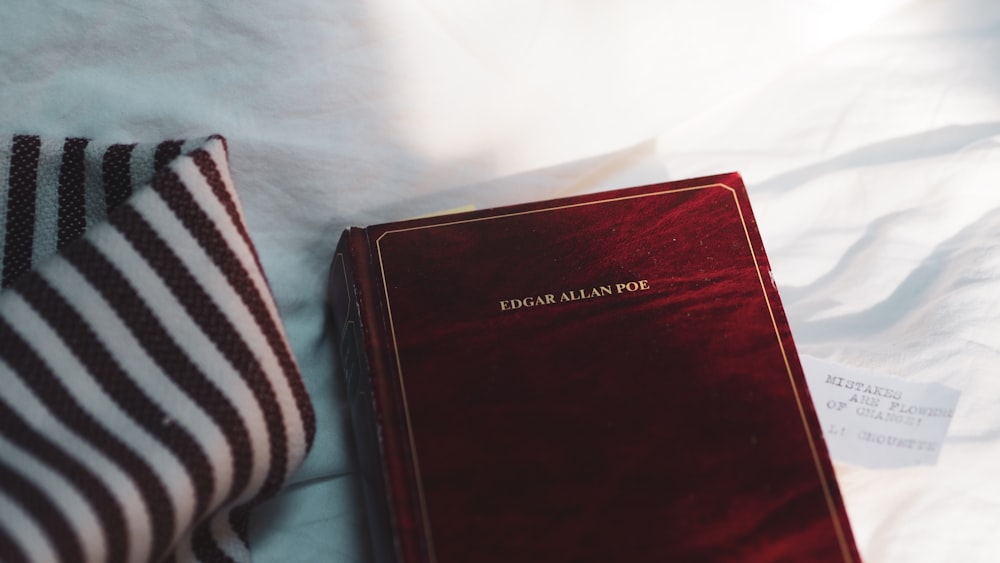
(148, 397)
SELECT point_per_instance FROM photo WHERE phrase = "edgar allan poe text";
(574, 295)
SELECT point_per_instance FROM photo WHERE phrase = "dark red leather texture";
(602, 378)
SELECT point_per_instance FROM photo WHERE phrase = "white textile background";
(866, 130)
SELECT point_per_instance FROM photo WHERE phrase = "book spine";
(365, 353)
(352, 336)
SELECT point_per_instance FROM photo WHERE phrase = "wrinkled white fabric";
(866, 131)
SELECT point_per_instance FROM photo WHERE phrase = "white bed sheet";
(866, 130)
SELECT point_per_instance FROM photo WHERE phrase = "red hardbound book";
(608, 377)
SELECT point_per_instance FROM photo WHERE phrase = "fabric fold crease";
(144, 370)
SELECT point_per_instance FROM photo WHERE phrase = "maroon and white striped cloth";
(148, 396)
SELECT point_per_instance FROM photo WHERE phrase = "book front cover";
(607, 378)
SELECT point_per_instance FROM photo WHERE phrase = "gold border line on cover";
(845, 549)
